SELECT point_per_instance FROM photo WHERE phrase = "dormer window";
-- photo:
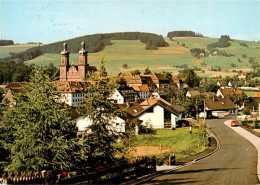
(135, 110)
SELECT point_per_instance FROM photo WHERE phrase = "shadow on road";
(184, 180)
(201, 170)
(174, 181)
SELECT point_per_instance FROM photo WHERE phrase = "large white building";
(72, 93)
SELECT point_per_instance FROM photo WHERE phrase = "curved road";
(234, 163)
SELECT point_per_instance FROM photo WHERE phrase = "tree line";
(6, 42)
(94, 43)
(183, 34)
(19, 72)
(223, 42)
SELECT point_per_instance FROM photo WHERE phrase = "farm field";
(4, 50)
(179, 141)
(134, 54)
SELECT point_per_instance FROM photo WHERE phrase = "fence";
(114, 174)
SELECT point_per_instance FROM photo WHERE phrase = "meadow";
(134, 54)
(16, 48)
(179, 141)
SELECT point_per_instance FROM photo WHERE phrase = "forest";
(6, 42)
(94, 43)
(19, 72)
(183, 34)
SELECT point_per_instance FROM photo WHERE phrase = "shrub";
(243, 44)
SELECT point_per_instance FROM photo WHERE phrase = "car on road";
(234, 123)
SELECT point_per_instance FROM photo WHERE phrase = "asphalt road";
(234, 163)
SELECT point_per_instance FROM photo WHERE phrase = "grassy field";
(249, 93)
(179, 141)
(134, 54)
(4, 50)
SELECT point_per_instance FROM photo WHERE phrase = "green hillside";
(16, 48)
(134, 54)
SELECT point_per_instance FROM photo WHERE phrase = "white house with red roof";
(156, 113)
(242, 76)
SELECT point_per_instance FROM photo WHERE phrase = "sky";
(54, 20)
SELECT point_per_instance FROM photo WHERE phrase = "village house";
(231, 84)
(151, 81)
(225, 92)
(208, 68)
(116, 125)
(164, 84)
(73, 73)
(222, 84)
(117, 97)
(10, 90)
(143, 91)
(129, 94)
(178, 82)
(256, 95)
(218, 107)
(72, 93)
(242, 75)
(192, 94)
(156, 113)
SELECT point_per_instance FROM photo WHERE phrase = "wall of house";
(156, 118)
(188, 94)
(219, 94)
(115, 125)
(73, 98)
(116, 96)
(174, 119)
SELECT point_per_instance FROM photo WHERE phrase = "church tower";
(64, 65)
(83, 61)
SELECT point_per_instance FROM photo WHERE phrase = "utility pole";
(204, 113)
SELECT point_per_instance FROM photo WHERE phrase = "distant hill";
(171, 58)
(94, 43)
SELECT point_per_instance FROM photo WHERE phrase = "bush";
(151, 47)
(183, 44)
(243, 44)
(244, 56)
(233, 65)
(125, 65)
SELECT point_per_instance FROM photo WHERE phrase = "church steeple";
(64, 56)
(64, 64)
(83, 55)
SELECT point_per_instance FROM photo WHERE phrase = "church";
(73, 73)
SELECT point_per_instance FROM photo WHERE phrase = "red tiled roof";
(70, 87)
(227, 92)
(238, 92)
(240, 74)
(257, 95)
(144, 88)
(136, 87)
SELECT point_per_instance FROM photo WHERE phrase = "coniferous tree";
(102, 112)
(39, 133)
